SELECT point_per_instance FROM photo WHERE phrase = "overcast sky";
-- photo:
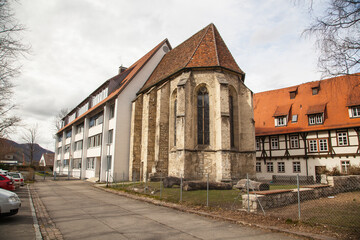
(79, 44)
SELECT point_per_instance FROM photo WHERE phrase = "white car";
(9, 203)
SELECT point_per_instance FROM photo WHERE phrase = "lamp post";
(108, 162)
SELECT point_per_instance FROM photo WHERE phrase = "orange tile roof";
(130, 73)
(205, 48)
(333, 98)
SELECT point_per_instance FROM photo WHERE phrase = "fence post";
(181, 184)
(160, 184)
(247, 190)
(298, 188)
(44, 174)
(145, 183)
(54, 175)
(69, 172)
(207, 190)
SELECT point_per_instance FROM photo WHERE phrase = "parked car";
(17, 177)
(6, 183)
(9, 203)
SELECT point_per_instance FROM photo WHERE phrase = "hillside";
(21, 151)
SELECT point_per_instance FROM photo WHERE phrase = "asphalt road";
(21, 225)
(80, 211)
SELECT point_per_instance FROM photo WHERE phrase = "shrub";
(334, 172)
(354, 170)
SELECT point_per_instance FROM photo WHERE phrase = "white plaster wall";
(123, 116)
(89, 173)
(79, 137)
(59, 144)
(112, 123)
(77, 154)
(67, 141)
(66, 155)
(94, 152)
(95, 130)
(76, 173)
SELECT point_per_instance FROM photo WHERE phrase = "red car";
(6, 183)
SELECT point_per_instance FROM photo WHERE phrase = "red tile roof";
(205, 48)
(49, 159)
(333, 98)
(130, 73)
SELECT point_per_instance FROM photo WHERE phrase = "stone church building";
(175, 112)
(194, 115)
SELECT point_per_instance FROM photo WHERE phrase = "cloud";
(77, 45)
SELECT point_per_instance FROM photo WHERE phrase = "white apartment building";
(308, 128)
(95, 139)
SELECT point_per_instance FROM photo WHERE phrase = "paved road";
(21, 225)
(83, 212)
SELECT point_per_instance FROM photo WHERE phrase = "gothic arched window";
(231, 121)
(175, 103)
(203, 116)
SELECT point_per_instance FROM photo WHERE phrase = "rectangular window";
(110, 136)
(315, 90)
(281, 167)
(258, 147)
(67, 148)
(78, 145)
(294, 118)
(77, 163)
(274, 143)
(270, 167)
(90, 163)
(323, 145)
(58, 163)
(60, 138)
(280, 121)
(68, 134)
(313, 145)
(345, 166)
(355, 111)
(94, 141)
(292, 94)
(294, 141)
(96, 120)
(112, 111)
(315, 119)
(258, 166)
(342, 138)
(296, 167)
(66, 162)
(83, 109)
(108, 160)
(79, 128)
(59, 150)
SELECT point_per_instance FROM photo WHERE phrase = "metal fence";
(334, 203)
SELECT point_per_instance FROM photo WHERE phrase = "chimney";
(122, 69)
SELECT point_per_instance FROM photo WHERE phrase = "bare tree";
(11, 48)
(58, 118)
(338, 37)
(30, 137)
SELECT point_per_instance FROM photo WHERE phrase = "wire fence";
(335, 202)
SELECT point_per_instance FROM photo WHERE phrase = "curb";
(214, 216)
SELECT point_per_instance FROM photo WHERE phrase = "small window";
(112, 111)
(294, 118)
(323, 145)
(292, 94)
(274, 143)
(342, 138)
(315, 90)
(316, 119)
(355, 111)
(270, 167)
(345, 166)
(281, 167)
(80, 128)
(66, 162)
(68, 134)
(258, 146)
(90, 163)
(258, 166)
(294, 141)
(280, 121)
(67, 148)
(296, 167)
(313, 145)
(110, 136)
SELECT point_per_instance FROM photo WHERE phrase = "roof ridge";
(215, 43)
(202, 38)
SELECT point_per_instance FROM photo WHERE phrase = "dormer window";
(354, 112)
(292, 94)
(316, 119)
(315, 90)
(280, 121)
(294, 118)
